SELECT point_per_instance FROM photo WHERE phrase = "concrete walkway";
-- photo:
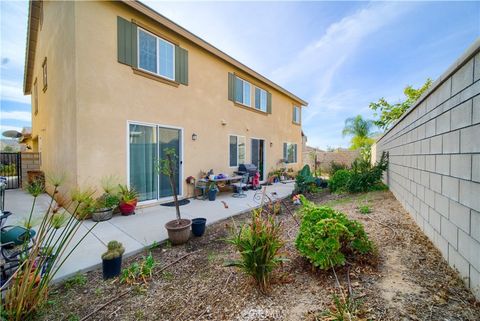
(136, 231)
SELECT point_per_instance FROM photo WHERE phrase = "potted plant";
(178, 229)
(112, 259)
(128, 200)
(212, 191)
(198, 226)
(104, 206)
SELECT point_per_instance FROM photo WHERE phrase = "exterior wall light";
(194, 136)
(271, 144)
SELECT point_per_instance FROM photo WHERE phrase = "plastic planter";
(198, 226)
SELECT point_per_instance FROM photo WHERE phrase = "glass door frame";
(180, 159)
(262, 179)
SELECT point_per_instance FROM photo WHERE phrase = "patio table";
(219, 181)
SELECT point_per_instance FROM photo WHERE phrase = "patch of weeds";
(139, 290)
(138, 272)
(75, 281)
(73, 317)
(211, 257)
(364, 209)
(342, 308)
(98, 291)
(139, 315)
(154, 245)
(167, 275)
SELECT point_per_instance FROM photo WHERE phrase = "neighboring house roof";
(34, 10)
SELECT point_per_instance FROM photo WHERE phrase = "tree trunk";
(174, 187)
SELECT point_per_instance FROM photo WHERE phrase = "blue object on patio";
(240, 193)
(15, 234)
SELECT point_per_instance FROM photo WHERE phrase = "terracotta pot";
(178, 231)
(127, 208)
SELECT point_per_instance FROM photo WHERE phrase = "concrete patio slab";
(138, 231)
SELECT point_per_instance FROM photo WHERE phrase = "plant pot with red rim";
(128, 200)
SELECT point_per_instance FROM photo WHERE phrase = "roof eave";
(32, 33)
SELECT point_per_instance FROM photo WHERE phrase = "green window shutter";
(269, 102)
(231, 86)
(181, 65)
(126, 42)
(285, 155)
(257, 98)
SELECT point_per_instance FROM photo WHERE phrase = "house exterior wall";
(54, 126)
(434, 169)
(108, 94)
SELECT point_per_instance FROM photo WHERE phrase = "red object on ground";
(256, 180)
(127, 208)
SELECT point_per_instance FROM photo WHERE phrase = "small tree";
(361, 131)
(388, 113)
(168, 167)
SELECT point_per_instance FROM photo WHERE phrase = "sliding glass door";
(147, 143)
(258, 155)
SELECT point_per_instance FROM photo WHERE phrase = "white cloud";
(13, 91)
(16, 115)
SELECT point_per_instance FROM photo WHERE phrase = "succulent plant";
(115, 249)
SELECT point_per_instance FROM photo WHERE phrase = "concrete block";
(436, 145)
(475, 282)
(469, 139)
(458, 262)
(443, 123)
(476, 168)
(441, 243)
(430, 128)
(470, 194)
(469, 249)
(421, 191)
(442, 164)
(421, 131)
(461, 166)
(451, 142)
(477, 67)
(475, 224)
(424, 210)
(421, 162)
(430, 163)
(425, 146)
(425, 179)
(462, 115)
(460, 216)
(430, 197)
(442, 93)
(450, 187)
(434, 219)
(436, 182)
(441, 205)
(476, 110)
(449, 231)
(462, 77)
(417, 147)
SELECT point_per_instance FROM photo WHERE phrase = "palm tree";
(361, 130)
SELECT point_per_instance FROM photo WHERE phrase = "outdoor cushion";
(15, 234)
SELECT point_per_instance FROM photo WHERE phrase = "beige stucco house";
(114, 83)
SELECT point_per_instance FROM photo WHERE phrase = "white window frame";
(297, 116)
(244, 85)
(263, 99)
(295, 156)
(238, 150)
(157, 43)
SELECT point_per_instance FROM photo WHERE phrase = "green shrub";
(326, 236)
(339, 181)
(334, 167)
(305, 181)
(139, 272)
(364, 209)
(259, 243)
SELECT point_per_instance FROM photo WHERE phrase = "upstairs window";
(261, 99)
(242, 91)
(296, 114)
(290, 152)
(156, 55)
(237, 150)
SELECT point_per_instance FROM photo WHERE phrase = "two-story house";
(115, 83)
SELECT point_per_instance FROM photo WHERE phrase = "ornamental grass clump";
(27, 288)
(259, 243)
(326, 236)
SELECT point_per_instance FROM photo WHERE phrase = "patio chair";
(200, 186)
(240, 186)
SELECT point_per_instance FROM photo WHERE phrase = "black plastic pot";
(212, 194)
(198, 226)
(112, 268)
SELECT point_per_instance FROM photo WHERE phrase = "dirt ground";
(409, 281)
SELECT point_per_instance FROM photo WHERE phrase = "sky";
(338, 56)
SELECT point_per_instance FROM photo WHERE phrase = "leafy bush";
(339, 181)
(305, 181)
(326, 236)
(259, 243)
(364, 209)
(139, 271)
(335, 167)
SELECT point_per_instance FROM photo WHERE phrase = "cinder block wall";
(30, 161)
(434, 169)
